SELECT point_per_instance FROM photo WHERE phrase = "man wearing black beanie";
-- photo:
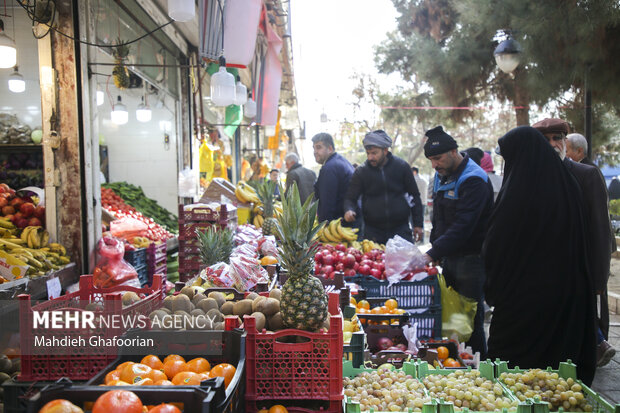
(461, 209)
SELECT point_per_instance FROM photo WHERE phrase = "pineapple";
(266, 195)
(304, 303)
(215, 245)
(120, 73)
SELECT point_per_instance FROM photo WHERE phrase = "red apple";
(356, 267)
(341, 247)
(340, 267)
(27, 209)
(364, 269)
(16, 202)
(3, 202)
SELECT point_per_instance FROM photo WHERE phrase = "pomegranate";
(384, 343)
(328, 259)
(318, 257)
(39, 212)
(348, 260)
(8, 210)
(27, 208)
(34, 222)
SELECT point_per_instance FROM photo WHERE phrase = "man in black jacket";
(382, 182)
(304, 177)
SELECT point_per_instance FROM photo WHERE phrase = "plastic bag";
(401, 257)
(457, 312)
(112, 269)
(217, 275)
(128, 228)
(187, 183)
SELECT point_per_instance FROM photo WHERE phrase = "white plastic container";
(241, 18)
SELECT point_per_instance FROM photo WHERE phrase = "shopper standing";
(461, 209)
(304, 177)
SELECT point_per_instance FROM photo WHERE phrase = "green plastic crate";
(487, 371)
(354, 407)
(565, 370)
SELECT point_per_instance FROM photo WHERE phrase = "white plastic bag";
(401, 257)
(188, 183)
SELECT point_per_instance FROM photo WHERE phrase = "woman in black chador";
(535, 258)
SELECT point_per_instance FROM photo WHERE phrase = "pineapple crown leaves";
(121, 51)
(266, 195)
(297, 230)
(215, 245)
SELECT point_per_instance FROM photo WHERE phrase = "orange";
(117, 383)
(268, 260)
(391, 304)
(353, 301)
(173, 357)
(11, 352)
(450, 362)
(442, 352)
(204, 376)
(278, 408)
(172, 367)
(263, 411)
(60, 406)
(198, 365)
(165, 408)
(364, 304)
(224, 370)
(123, 365)
(376, 310)
(113, 375)
(145, 382)
(153, 362)
(133, 373)
(157, 375)
(186, 378)
(360, 310)
(164, 383)
(118, 401)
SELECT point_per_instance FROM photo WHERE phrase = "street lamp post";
(507, 56)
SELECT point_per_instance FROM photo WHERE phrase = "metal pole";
(588, 113)
(237, 153)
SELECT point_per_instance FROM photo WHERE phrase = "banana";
(240, 195)
(24, 235)
(9, 244)
(58, 248)
(328, 234)
(33, 239)
(64, 260)
(247, 192)
(45, 238)
(12, 259)
(348, 235)
(5, 223)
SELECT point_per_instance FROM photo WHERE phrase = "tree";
(447, 45)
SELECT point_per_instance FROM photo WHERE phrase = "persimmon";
(224, 370)
(153, 362)
(198, 365)
(186, 378)
(118, 401)
(135, 372)
(60, 406)
(173, 367)
(442, 352)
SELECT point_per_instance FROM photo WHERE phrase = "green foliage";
(216, 245)
(614, 207)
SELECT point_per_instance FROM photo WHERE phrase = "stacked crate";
(156, 260)
(199, 217)
(137, 259)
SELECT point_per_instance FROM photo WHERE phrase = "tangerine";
(133, 373)
(278, 408)
(442, 352)
(11, 352)
(391, 304)
(60, 406)
(117, 383)
(145, 382)
(123, 365)
(153, 362)
(268, 260)
(113, 375)
(164, 383)
(224, 370)
(376, 310)
(118, 401)
(165, 408)
(186, 378)
(363, 304)
(198, 365)
(157, 375)
(173, 367)
(173, 357)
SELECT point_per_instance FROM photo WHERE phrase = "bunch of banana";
(7, 229)
(258, 209)
(245, 193)
(368, 245)
(258, 221)
(334, 232)
(35, 237)
(140, 242)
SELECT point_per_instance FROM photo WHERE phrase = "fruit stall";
(265, 320)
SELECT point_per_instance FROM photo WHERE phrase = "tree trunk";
(521, 99)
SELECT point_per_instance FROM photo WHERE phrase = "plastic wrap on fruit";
(218, 274)
(128, 228)
(111, 248)
(411, 334)
(246, 234)
(401, 257)
(267, 246)
(112, 269)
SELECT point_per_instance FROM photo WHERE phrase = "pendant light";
(181, 10)
(120, 116)
(100, 96)
(143, 113)
(507, 55)
(223, 88)
(249, 109)
(16, 82)
(241, 93)
(8, 49)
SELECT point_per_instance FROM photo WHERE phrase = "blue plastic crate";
(137, 257)
(409, 294)
(143, 275)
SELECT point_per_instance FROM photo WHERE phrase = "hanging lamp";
(241, 93)
(120, 116)
(143, 112)
(507, 55)
(8, 49)
(249, 109)
(181, 10)
(223, 88)
(17, 84)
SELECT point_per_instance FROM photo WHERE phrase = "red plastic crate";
(318, 406)
(155, 251)
(189, 247)
(40, 363)
(201, 214)
(310, 370)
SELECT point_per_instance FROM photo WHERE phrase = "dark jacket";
(384, 205)
(461, 210)
(305, 179)
(600, 238)
(331, 187)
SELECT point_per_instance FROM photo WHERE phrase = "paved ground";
(607, 379)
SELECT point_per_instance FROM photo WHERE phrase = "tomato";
(118, 401)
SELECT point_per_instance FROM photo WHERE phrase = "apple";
(27, 209)
(22, 223)
(317, 269)
(341, 247)
(340, 267)
(16, 202)
(328, 269)
(3, 202)
(356, 267)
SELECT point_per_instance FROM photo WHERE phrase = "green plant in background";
(134, 196)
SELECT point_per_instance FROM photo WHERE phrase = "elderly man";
(577, 148)
(600, 239)
(382, 182)
(461, 209)
(304, 177)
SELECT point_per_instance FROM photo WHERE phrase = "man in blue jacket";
(334, 177)
(382, 182)
(461, 209)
